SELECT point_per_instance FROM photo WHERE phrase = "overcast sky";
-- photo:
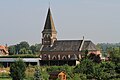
(23, 20)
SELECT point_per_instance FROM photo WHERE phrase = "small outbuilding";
(57, 74)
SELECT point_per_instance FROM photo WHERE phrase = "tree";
(23, 51)
(115, 56)
(17, 48)
(85, 67)
(97, 72)
(108, 69)
(89, 69)
(17, 70)
(24, 44)
(38, 46)
(37, 74)
(33, 49)
(94, 57)
(11, 50)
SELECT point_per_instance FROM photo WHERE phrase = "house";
(3, 50)
(60, 52)
(57, 75)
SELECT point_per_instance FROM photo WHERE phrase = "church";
(61, 52)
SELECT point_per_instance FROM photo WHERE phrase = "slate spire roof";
(49, 24)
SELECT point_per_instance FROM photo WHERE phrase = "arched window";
(48, 37)
(64, 58)
(54, 57)
(45, 37)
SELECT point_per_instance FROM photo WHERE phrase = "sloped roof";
(64, 45)
(89, 45)
(70, 45)
(73, 57)
(3, 48)
(49, 24)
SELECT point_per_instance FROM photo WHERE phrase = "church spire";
(49, 33)
(49, 24)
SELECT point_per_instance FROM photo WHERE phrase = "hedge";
(21, 56)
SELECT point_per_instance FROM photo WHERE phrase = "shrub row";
(21, 56)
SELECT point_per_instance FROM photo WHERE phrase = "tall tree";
(11, 50)
(24, 44)
(33, 49)
(17, 70)
(38, 46)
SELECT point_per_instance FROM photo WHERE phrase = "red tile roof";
(3, 48)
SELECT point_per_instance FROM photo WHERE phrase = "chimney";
(6, 47)
(82, 44)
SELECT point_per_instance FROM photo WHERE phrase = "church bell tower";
(49, 34)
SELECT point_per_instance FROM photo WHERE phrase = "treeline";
(107, 48)
(24, 48)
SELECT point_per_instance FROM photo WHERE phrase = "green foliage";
(117, 69)
(1, 65)
(5, 79)
(11, 50)
(38, 46)
(103, 70)
(76, 76)
(108, 47)
(37, 74)
(24, 44)
(23, 51)
(109, 69)
(115, 56)
(4, 75)
(21, 56)
(44, 73)
(98, 72)
(83, 77)
(17, 70)
(33, 48)
(24, 48)
(89, 68)
(85, 67)
(95, 58)
(64, 68)
(29, 73)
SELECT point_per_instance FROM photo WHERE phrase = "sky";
(96, 20)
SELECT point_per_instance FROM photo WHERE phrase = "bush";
(30, 72)
(37, 74)
(17, 70)
(21, 56)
